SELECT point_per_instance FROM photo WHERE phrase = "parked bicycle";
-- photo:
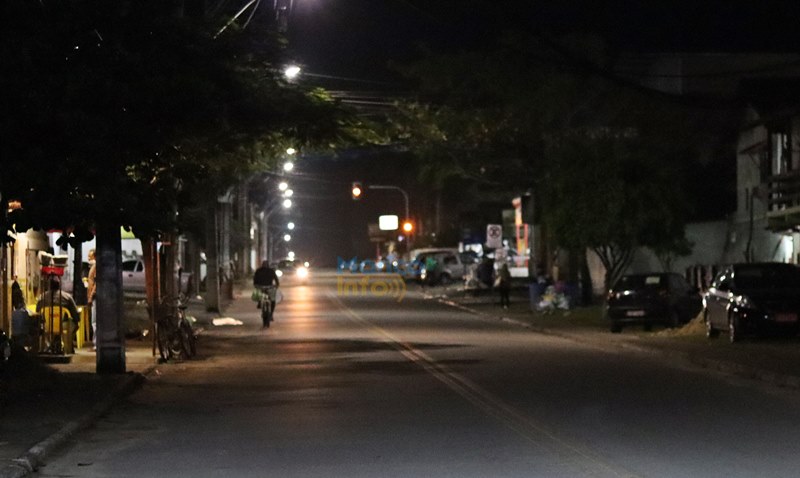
(175, 336)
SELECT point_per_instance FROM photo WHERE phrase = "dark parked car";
(647, 299)
(753, 299)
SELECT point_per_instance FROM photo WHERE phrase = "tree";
(605, 160)
(120, 113)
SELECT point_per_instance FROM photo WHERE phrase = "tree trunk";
(212, 261)
(151, 273)
(616, 260)
(587, 289)
(110, 338)
(78, 289)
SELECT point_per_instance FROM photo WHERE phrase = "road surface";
(369, 386)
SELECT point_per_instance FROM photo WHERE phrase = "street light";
(287, 203)
(291, 151)
(288, 193)
(287, 237)
(290, 226)
(291, 72)
(356, 190)
(288, 166)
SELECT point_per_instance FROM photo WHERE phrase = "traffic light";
(408, 227)
(357, 191)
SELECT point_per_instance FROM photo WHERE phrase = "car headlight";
(279, 273)
(302, 272)
(745, 302)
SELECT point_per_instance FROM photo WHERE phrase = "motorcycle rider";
(265, 276)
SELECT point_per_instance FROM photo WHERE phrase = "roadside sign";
(388, 223)
(494, 236)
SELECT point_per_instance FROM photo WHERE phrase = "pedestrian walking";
(504, 286)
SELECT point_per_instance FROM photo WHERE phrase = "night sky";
(359, 40)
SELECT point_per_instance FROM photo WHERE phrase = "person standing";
(504, 286)
(55, 297)
(91, 293)
(432, 270)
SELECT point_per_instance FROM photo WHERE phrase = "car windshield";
(641, 282)
(767, 276)
(286, 264)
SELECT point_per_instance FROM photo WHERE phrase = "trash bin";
(535, 294)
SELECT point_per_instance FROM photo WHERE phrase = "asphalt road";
(368, 387)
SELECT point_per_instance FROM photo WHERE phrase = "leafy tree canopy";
(115, 111)
(605, 161)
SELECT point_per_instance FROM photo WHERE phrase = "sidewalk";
(43, 405)
(773, 360)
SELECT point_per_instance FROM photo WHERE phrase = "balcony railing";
(783, 201)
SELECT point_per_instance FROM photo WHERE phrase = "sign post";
(494, 236)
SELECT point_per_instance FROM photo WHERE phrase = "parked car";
(647, 299)
(133, 278)
(452, 265)
(758, 298)
(292, 270)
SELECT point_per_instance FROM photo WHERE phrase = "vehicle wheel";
(673, 321)
(711, 332)
(5, 350)
(616, 327)
(188, 346)
(266, 315)
(734, 329)
(163, 341)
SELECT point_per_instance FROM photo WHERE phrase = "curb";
(29, 462)
(721, 366)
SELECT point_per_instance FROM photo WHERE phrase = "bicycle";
(265, 303)
(174, 333)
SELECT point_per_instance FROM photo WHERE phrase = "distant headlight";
(745, 302)
(302, 272)
(279, 273)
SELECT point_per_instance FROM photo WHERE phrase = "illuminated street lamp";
(288, 166)
(288, 193)
(283, 186)
(291, 72)
(291, 151)
(287, 203)
(287, 237)
(290, 226)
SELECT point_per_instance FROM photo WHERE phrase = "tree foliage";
(122, 110)
(605, 162)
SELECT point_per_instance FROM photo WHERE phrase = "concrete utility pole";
(110, 338)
